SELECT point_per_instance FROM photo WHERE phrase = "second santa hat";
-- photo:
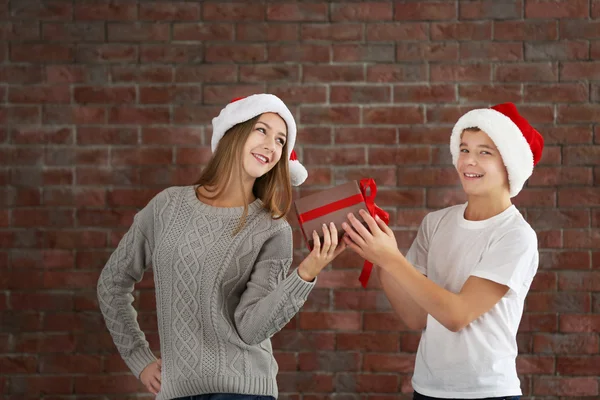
(519, 144)
(246, 108)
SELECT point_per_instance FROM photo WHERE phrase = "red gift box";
(333, 205)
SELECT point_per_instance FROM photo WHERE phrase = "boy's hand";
(321, 255)
(378, 246)
(150, 376)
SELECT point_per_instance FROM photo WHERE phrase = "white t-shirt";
(479, 360)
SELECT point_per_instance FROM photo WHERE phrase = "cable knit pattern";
(219, 297)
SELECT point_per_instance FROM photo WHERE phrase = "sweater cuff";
(139, 359)
(298, 288)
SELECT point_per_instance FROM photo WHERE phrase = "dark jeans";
(226, 396)
(418, 396)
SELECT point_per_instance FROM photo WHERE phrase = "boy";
(466, 275)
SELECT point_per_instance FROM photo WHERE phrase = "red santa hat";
(519, 144)
(245, 108)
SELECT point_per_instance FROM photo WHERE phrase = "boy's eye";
(464, 150)
(486, 153)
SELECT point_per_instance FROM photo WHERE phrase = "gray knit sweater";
(219, 297)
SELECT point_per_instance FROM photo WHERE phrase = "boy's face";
(480, 166)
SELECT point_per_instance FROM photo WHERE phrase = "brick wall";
(105, 103)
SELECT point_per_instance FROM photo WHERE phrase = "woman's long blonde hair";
(273, 188)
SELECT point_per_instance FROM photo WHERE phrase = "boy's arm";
(413, 315)
(453, 310)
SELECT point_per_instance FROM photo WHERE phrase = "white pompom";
(298, 173)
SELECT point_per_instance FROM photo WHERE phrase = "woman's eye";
(281, 141)
(262, 130)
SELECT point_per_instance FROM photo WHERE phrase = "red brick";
(70, 279)
(235, 53)
(196, 115)
(129, 197)
(580, 323)
(365, 136)
(436, 93)
(141, 156)
(484, 9)
(460, 72)
(489, 93)
(574, 343)
(41, 52)
(172, 53)
(365, 53)
(493, 51)
(396, 31)
(172, 136)
(363, 383)
(427, 176)
(66, 363)
(461, 31)
(539, 323)
(138, 32)
(396, 73)
(330, 321)
(206, 74)
(73, 32)
(434, 51)
(338, 32)
(339, 156)
(364, 300)
(561, 302)
(18, 74)
(270, 73)
(579, 29)
(238, 11)
(203, 32)
(525, 30)
(336, 115)
(48, 10)
(425, 10)
(101, 384)
(154, 74)
(580, 70)
(171, 11)
(578, 365)
(297, 12)
(106, 10)
(317, 53)
(565, 50)
(445, 114)
(579, 281)
(104, 95)
(369, 11)
(110, 53)
(551, 176)
(19, 30)
(139, 115)
(40, 385)
(582, 155)
(360, 94)
(393, 115)
(396, 363)
(552, 156)
(380, 321)
(106, 135)
(565, 386)
(193, 156)
(382, 175)
(531, 72)
(582, 238)
(369, 342)
(538, 365)
(43, 135)
(18, 364)
(330, 361)
(549, 9)
(316, 135)
(557, 93)
(304, 381)
(170, 94)
(268, 32)
(60, 74)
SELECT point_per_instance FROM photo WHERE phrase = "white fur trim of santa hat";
(513, 147)
(244, 109)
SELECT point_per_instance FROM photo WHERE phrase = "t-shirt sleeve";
(511, 261)
(417, 254)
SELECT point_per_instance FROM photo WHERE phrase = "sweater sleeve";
(271, 298)
(125, 267)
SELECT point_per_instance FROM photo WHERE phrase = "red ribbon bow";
(374, 210)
